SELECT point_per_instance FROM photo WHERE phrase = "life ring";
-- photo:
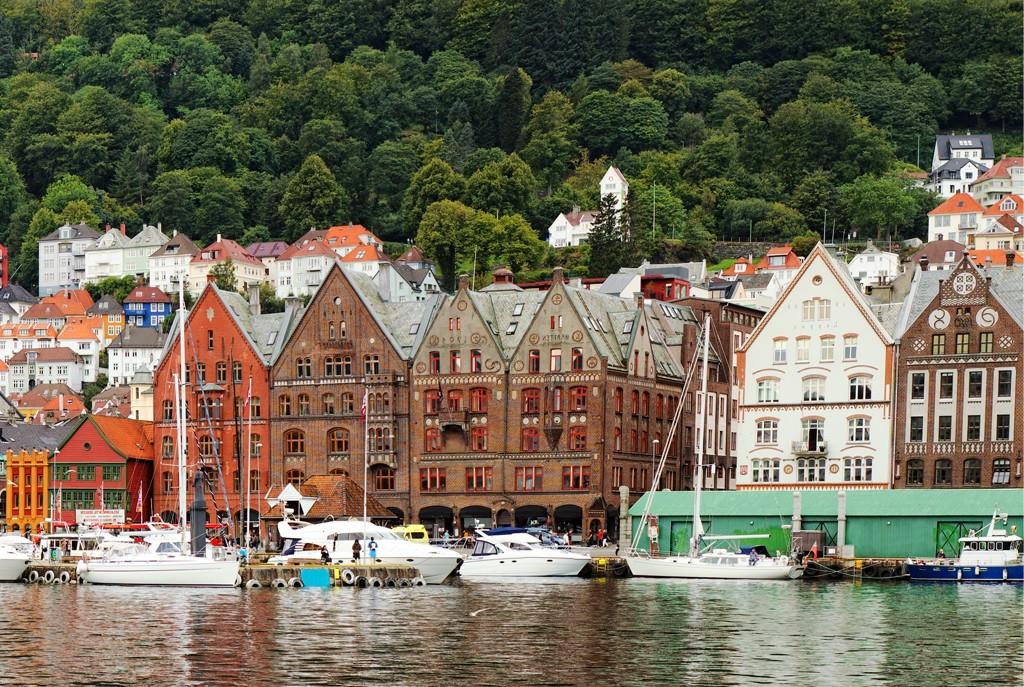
(362, 582)
(253, 584)
(419, 582)
(238, 580)
(348, 577)
(278, 583)
(390, 582)
(49, 576)
(295, 582)
(65, 577)
(33, 576)
(376, 582)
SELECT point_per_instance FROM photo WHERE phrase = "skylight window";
(272, 338)
(627, 327)
(414, 328)
(517, 309)
(511, 328)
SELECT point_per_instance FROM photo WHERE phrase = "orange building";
(28, 488)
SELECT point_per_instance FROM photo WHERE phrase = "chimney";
(463, 282)
(210, 277)
(124, 229)
(557, 275)
(988, 261)
(384, 272)
(174, 232)
(254, 299)
(503, 275)
(640, 299)
(1010, 257)
(218, 238)
(924, 263)
(159, 226)
(60, 401)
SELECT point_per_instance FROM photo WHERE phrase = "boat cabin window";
(167, 547)
(519, 546)
(484, 548)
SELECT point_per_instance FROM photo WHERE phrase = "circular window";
(337, 300)
(87, 446)
(817, 281)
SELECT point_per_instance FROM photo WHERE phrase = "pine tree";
(606, 245)
(6, 49)
(512, 108)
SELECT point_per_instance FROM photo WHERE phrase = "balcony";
(809, 448)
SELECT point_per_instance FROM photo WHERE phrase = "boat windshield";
(519, 546)
(485, 548)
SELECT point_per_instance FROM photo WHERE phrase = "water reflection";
(525, 632)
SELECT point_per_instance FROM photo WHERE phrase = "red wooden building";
(106, 462)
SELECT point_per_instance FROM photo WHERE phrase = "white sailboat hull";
(12, 567)
(184, 571)
(686, 567)
(433, 568)
(523, 566)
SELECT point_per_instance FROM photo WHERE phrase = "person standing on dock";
(357, 549)
(372, 548)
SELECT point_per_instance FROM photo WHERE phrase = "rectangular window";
(945, 428)
(828, 348)
(111, 473)
(534, 361)
(938, 344)
(946, 385)
(849, 347)
(433, 479)
(917, 385)
(780, 352)
(974, 378)
(476, 362)
(803, 350)
(577, 360)
(434, 362)
(917, 428)
(963, 343)
(478, 439)
(479, 479)
(1002, 427)
(985, 342)
(974, 428)
(556, 360)
(454, 362)
(530, 478)
(859, 430)
(1004, 383)
(575, 477)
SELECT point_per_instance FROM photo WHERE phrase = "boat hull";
(179, 572)
(12, 568)
(682, 567)
(523, 567)
(934, 572)
(433, 569)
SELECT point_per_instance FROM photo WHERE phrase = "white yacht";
(303, 541)
(515, 553)
(159, 562)
(12, 563)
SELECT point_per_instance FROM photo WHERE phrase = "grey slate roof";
(259, 327)
(106, 305)
(14, 293)
(82, 231)
(179, 244)
(888, 315)
(947, 143)
(149, 236)
(412, 275)
(758, 281)
(7, 309)
(497, 309)
(396, 319)
(139, 337)
(21, 435)
(616, 283)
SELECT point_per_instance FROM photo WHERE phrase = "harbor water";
(522, 632)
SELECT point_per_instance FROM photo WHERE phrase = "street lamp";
(52, 488)
(654, 469)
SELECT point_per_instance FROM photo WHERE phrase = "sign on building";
(105, 516)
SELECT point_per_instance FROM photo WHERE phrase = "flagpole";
(366, 451)
(248, 465)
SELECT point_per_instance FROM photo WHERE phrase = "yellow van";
(416, 533)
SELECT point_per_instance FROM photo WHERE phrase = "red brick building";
(960, 377)
(229, 346)
(106, 462)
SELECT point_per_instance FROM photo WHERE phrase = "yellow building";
(28, 489)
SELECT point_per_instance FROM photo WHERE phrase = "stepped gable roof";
(15, 293)
(148, 236)
(947, 143)
(40, 394)
(337, 496)
(1006, 285)
(139, 337)
(266, 249)
(1015, 206)
(82, 329)
(58, 354)
(81, 231)
(24, 436)
(147, 294)
(958, 204)
(411, 254)
(225, 249)
(179, 244)
(106, 305)
(1001, 169)
(129, 438)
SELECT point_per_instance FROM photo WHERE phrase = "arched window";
(860, 388)
(531, 439)
(294, 441)
(294, 477)
(972, 471)
(943, 472)
(578, 398)
(478, 400)
(915, 472)
(205, 444)
(618, 399)
(285, 405)
(531, 401)
(645, 404)
(617, 439)
(432, 439)
(348, 404)
(337, 441)
(383, 478)
(578, 439)
(386, 405)
(331, 332)
(328, 403)
(635, 402)
(659, 406)
(304, 405)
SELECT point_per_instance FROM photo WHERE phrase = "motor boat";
(12, 563)
(18, 543)
(993, 556)
(717, 563)
(303, 541)
(514, 552)
(157, 561)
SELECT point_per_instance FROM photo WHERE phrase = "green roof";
(862, 503)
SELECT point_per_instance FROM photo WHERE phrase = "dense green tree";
(313, 199)
(433, 182)
(223, 274)
(12, 194)
(501, 188)
(608, 247)
(881, 205)
(219, 209)
(512, 108)
(451, 234)
(118, 287)
(7, 52)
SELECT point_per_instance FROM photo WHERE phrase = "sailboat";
(709, 555)
(164, 561)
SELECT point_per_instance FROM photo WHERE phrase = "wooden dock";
(835, 567)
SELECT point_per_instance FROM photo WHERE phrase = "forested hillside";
(261, 118)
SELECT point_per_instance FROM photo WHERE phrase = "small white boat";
(158, 563)
(18, 543)
(12, 563)
(302, 541)
(719, 564)
(519, 554)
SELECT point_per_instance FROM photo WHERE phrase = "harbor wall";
(878, 524)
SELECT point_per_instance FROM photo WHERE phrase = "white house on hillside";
(1004, 178)
(977, 147)
(572, 228)
(815, 388)
(62, 257)
(169, 263)
(955, 219)
(873, 266)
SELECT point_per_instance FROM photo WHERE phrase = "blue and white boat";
(993, 556)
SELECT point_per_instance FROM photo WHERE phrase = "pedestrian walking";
(372, 547)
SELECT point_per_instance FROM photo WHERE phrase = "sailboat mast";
(366, 453)
(179, 411)
(698, 526)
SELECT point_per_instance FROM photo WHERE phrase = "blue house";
(147, 306)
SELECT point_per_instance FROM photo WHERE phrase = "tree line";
(468, 125)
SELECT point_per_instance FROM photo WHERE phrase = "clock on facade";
(938, 319)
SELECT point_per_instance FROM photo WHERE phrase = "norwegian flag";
(138, 502)
(362, 409)
(248, 395)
